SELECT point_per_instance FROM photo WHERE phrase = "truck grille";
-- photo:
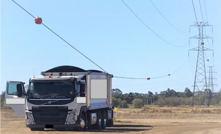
(50, 115)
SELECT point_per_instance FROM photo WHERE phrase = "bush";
(3, 106)
(174, 101)
(219, 103)
(116, 102)
(161, 102)
(124, 104)
(138, 103)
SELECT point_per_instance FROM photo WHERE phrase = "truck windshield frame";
(56, 92)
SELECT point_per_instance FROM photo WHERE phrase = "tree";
(138, 103)
(187, 92)
(173, 93)
(168, 93)
(163, 93)
(216, 98)
(131, 97)
(116, 91)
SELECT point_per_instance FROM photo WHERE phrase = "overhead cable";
(201, 10)
(154, 77)
(62, 38)
(149, 27)
(85, 55)
(166, 18)
(205, 11)
(194, 11)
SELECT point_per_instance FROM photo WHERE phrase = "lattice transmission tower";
(211, 78)
(200, 79)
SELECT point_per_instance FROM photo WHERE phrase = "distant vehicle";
(65, 97)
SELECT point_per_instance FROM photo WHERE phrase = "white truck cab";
(64, 97)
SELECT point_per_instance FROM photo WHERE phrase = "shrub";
(3, 106)
(172, 101)
(115, 102)
(161, 102)
(219, 103)
(138, 103)
(124, 104)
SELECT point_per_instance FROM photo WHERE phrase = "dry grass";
(156, 112)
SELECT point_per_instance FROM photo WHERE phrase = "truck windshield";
(50, 90)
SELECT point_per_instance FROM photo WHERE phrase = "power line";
(184, 10)
(166, 18)
(205, 10)
(154, 77)
(148, 26)
(82, 53)
(180, 66)
(62, 38)
(194, 11)
(201, 10)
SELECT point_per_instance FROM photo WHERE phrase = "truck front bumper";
(35, 126)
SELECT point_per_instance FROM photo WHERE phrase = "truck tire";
(98, 123)
(110, 123)
(82, 122)
(104, 120)
(37, 129)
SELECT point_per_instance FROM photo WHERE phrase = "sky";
(111, 35)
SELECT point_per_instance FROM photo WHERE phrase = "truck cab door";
(11, 96)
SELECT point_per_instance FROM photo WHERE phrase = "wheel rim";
(105, 119)
(99, 123)
(82, 123)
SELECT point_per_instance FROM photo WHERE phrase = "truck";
(64, 97)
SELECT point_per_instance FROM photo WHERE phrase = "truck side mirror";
(19, 90)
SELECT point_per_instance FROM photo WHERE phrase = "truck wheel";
(104, 120)
(82, 123)
(98, 123)
(37, 129)
(110, 123)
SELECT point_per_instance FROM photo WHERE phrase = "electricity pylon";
(200, 80)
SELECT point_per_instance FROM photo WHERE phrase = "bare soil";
(149, 120)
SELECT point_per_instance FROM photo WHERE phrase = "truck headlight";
(71, 118)
(29, 118)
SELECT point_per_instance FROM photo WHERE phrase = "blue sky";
(108, 33)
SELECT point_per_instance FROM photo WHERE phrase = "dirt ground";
(149, 120)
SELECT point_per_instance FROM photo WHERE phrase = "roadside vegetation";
(165, 98)
(168, 97)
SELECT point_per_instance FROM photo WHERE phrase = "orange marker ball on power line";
(168, 74)
(148, 78)
(38, 20)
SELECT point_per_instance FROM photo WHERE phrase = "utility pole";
(200, 80)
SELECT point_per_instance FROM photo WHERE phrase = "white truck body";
(86, 100)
